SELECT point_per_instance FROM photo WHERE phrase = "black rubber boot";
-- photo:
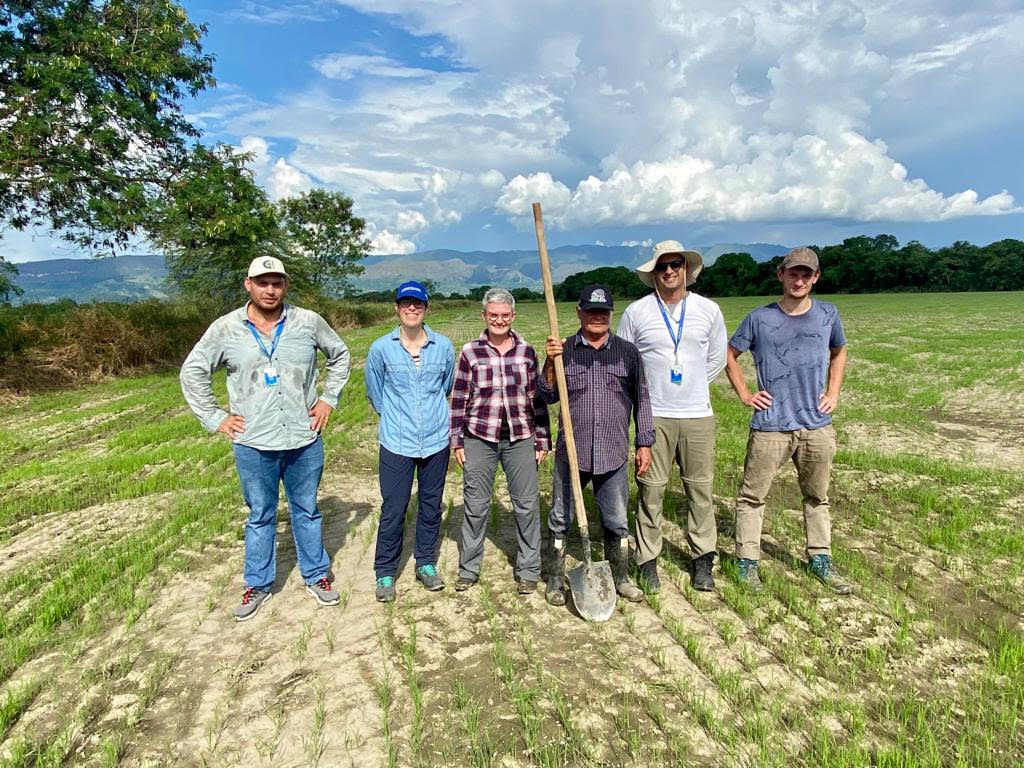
(649, 580)
(617, 552)
(555, 593)
(702, 579)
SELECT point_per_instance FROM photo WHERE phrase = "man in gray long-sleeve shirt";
(269, 349)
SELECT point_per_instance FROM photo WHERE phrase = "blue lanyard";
(259, 339)
(668, 324)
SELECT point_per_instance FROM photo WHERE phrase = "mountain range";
(133, 276)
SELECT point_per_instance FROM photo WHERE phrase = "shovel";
(592, 585)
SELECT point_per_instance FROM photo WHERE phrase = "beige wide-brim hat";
(693, 260)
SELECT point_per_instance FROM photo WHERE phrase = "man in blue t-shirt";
(799, 352)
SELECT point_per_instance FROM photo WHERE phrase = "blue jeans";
(395, 473)
(261, 473)
(611, 492)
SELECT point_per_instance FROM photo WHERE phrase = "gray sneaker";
(428, 576)
(385, 592)
(323, 592)
(749, 577)
(252, 599)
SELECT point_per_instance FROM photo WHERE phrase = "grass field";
(120, 563)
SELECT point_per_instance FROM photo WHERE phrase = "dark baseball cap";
(596, 297)
(411, 290)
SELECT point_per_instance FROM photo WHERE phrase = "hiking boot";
(749, 576)
(427, 575)
(252, 599)
(822, 567)
(462, 584)
(323, 592)
(385, 592)
(649, 581)
(617, 552)
(527, 587)
(702, 578)
(555, 592)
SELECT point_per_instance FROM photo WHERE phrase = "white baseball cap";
(266, 265)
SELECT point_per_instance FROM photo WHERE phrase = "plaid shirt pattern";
(488, 384)
(605, 386)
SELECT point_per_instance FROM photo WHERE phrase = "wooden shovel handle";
(563, 390)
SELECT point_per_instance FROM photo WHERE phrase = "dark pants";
(395, 473)
(611, 492)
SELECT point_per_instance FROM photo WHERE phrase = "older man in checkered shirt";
(605, 379)
(497, 416)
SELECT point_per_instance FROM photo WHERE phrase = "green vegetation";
(877, 264)
(90, 102)
(120, 560)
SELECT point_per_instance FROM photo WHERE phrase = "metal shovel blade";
(593, 590)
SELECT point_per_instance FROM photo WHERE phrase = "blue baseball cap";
(411, 290)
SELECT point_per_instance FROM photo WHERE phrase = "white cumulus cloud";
(678, 111)
(385, 241)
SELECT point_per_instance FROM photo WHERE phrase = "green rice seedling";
(16, 702)
(330, 634)
(301, 647)
(111, 751)
(482, 749)
(315, 743)
(627, 725)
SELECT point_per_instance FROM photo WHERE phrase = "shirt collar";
(516, 338)
(431, 336)
(579, 341)
(244, 313)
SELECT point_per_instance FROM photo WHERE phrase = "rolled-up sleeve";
(373, 378)
(460, 400)
(196, 375)
(338, 369)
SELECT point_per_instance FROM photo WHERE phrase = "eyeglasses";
(661, 266)
(499, 318)
(411, 303)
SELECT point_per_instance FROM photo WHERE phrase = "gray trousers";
(519, 461)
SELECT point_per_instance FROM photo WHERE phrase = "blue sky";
(705, 121)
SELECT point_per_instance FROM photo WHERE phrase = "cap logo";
(598, 295)
(268, 263)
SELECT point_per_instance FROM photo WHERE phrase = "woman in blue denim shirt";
(409, 375)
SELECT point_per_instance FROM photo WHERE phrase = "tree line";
(878, 264)
(858, 265)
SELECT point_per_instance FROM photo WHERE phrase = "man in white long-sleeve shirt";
(682, 340)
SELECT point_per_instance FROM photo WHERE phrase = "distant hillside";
(133, 277)
(121, 278)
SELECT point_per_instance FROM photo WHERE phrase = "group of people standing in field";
(490, 406)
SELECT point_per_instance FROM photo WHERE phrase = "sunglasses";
(661, 266)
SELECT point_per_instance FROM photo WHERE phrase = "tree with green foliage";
(623, 282)
(730, 275)
(8, 288)
(215, 221)
(324, 231)
(91, 125)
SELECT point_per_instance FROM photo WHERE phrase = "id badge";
(270, 377)
(676, 374)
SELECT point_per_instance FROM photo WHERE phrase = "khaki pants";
(812, 451)
(690, 443)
